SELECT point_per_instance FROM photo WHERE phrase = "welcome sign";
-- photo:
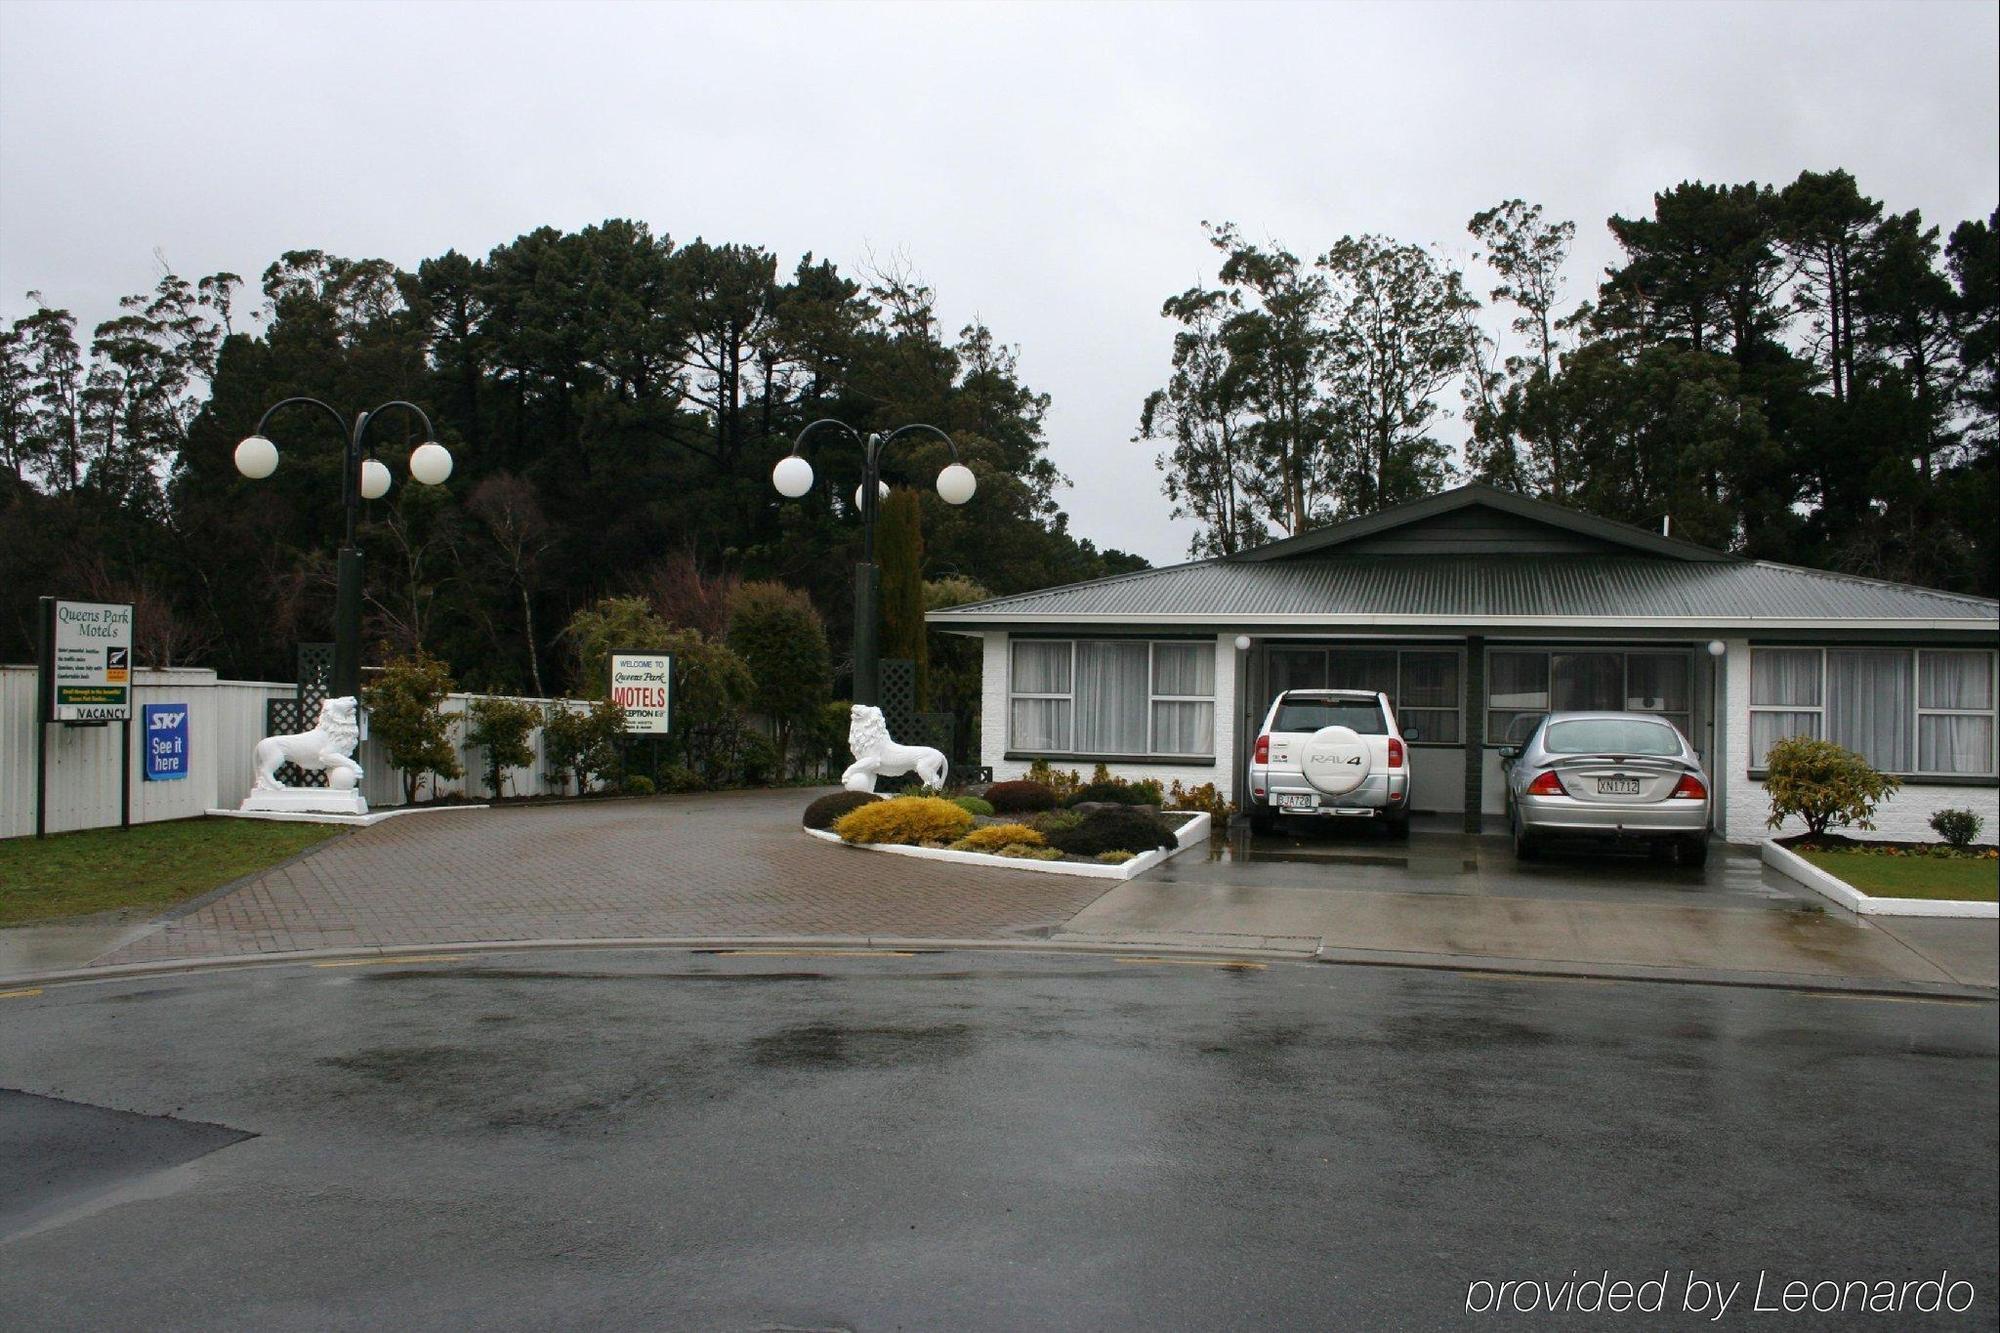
(92, 653)
(643, 685)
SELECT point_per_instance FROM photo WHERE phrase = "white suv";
(1330, 753)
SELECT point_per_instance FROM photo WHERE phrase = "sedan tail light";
(1263, 750)
(1689, 788)
(1395, 753)
(1548, 784)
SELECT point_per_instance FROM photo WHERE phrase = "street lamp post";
(362, 478)
(793, 477)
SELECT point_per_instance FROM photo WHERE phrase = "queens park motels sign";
(643, 685)
(90, 657)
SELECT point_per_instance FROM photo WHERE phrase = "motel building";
(1475, 611)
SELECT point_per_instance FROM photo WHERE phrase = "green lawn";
(1968, 878)
(148, 865)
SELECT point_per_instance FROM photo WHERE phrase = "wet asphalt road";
(666, 1140)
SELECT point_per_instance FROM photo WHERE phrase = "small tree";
(403, 713)
(1823, 784)
(711, 687)
(782, 641)
(607, 626)
(582, 745)
(501, 727)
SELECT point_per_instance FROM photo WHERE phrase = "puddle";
(830, 1046)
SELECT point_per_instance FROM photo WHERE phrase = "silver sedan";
(1629, 776)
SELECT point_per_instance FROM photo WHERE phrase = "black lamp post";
(362, 478)
(793, 477)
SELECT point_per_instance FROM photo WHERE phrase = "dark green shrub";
(823, 812)
(638, 784)
(973, 805)
(1053, 821)
(1957, 827)
(1008, 798)
(1113, 831)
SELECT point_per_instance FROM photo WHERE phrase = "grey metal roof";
(1605, 590)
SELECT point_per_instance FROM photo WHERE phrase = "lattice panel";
(899, 697)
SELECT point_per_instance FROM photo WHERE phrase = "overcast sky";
(1044, 167)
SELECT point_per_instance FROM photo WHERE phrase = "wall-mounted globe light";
(374, 479)
(793, 476)
(430, 463)
(256, 458)
(956, 484)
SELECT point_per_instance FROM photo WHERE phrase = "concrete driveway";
(1449, 898)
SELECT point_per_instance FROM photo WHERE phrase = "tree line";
(1794, 373)
(614, 401)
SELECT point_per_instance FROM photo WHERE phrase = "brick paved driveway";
(731, 863)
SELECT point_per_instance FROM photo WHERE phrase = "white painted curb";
(351, 821)
(1191, 834)
(1793, 866)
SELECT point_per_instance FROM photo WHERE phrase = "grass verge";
(1969, 879)
(146, 866)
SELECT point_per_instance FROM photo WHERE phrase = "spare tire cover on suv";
(1334, 760)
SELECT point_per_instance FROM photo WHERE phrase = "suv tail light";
(1395, 753)
(1689, 788)
(1263, 755)
(1548, 784)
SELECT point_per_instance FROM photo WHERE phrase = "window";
(1362, 718)
(1422, 683)
(1112, 697)
(1610, 735)
(1921, 712)
(1523, 685)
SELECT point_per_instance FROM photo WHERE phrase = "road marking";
(27, 994)
(396, 958)
(813, 953)
(1234, 963)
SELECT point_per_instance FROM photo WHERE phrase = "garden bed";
(1892, 878)
(1192, 832)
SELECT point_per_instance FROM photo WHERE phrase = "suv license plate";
(1300, 802)
(1618, 786)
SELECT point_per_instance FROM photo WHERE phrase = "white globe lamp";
(956, 484)
(256, 458)
(1717, 647)
(374, 479)
(793, 476)
(430, 463)
(881, 494)
(1243, 643)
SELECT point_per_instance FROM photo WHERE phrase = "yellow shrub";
(993, 837)
(906, 820)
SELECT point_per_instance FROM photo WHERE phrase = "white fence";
(225, 721)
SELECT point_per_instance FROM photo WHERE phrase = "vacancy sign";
(643, 685)
(93, 662)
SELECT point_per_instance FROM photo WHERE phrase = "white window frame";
(1681, 719)
(1917, 711)
(1152, 751)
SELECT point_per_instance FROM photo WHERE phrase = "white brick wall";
(993, 725)
(1904, 817)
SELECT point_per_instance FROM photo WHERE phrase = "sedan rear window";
(1358, 715)
(1611, 735)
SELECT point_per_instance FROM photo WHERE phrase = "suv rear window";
(1611, 735)
(1359, 715)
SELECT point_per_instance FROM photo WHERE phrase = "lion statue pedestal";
(875, 755)
(328, 746)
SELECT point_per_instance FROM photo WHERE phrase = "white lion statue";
(876, 756)
(329, 746)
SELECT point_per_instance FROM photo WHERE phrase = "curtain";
(1041, 666)
(1768, 728)
(1587, 680)
(1040, 724)
(1183, 728)
(1870, 706)
(1184, 668)
(1111, 697)
(1955, 744)
(1784, 677)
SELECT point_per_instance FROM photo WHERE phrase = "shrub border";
(1191, 834)
(1828, 885)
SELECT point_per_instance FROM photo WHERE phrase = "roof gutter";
(1242, 621)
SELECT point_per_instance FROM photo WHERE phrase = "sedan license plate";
(1304, 801)
(1618, 786)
